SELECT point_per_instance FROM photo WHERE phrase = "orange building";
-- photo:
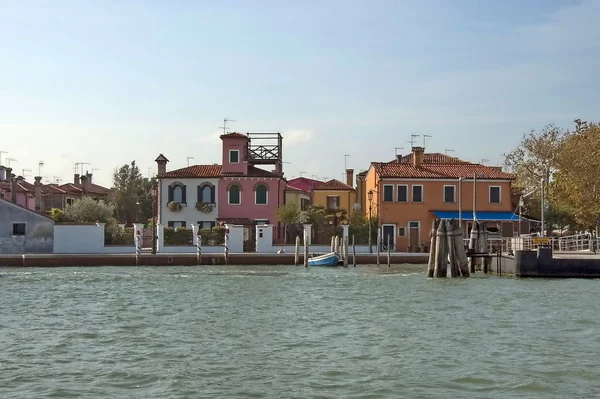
(408, 193)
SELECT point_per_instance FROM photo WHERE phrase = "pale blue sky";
(107, 82)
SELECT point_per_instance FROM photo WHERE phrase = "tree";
(87, 210)
(336, 216)
(577, 183)
(131, 194)
(315, 215)
(288, 214)
(534, 162)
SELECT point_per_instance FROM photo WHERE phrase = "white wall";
(188, 213)
(84, 239)
(189, 249)
(235, 242)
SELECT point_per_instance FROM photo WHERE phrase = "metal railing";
(576, 242)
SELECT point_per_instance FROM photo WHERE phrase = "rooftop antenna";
(83, 163)
(483, 161)
(425, 137)
(57, 179)
(149, 171)
(93, 169)
(9, 160)
(2, 152)
(412, 140)
(76, 167)
(224, 127)
(188, 160)
(301, 173)
(448, 150)
(24, 170)
(40, 164)
(396, 150)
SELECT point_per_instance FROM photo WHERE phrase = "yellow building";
(334, 194)
(298, 197)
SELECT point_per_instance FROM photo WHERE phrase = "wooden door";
(413, 234)
(387, 232)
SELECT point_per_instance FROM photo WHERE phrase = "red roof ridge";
(333, 184)
(234, 135)
(194, 171)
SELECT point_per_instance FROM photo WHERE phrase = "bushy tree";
(131, 194)
(288, 214)
(87, 210)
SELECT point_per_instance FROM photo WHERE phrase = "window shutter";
(171, 224)
(183, 195)
(199, 193)
(183, 224)
(212, 224)
(170, 194)
(212, 194)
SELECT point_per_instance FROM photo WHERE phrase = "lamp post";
(370, 197)
(154, 196)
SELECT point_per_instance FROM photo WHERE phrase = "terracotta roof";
(241, 221)
(21, 187)
(79, 188)
(52, 189)
(434, 157)
(161, 157)
(234, 135)
(252, 172)
(194, 171)
(363, 173)
(333, 184)
(295, 189)
(439, 171)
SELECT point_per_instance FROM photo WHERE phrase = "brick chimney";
(350, 177)
(417, 156)
(76, 178)
(38, 193)
(13, 190)
(161, 161)
(89, 177)
(398, 158)
(85, 183)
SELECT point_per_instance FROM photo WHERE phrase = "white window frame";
(238, 156)
(261, 222)
(453, 194)
(414, 221)
(398, 196)
(403, 231)
(412, 193)
(393, 193)
(256, 195)
(499, 194)
(229, 196)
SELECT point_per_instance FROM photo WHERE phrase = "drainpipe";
(460, 202)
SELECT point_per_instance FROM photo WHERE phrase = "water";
(290, 332)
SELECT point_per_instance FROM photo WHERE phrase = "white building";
(187, 196)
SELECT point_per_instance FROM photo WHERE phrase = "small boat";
(330, 259)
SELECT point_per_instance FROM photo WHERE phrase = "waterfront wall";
(85, 239)
(542, 263)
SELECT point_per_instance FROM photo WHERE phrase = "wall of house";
(295, 198)
(38, 236)
(361, 194)
(401, 214)
(23, 199)
(347, 198)
(248, 208)
(239, 144)
(188, 212)
(371, 182)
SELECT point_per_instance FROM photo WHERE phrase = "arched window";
(234, 195)
(206, 194)
(178, 194)
(261, 194)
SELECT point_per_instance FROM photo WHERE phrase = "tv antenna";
(93, 169)
(396, 150)
(24, 170)
(9, 160)
(483, 161)
(345, 161)
(224, 127)
(83, 163)
(301, 173)
(40, 164)
(448, 150)
(425, 136)
(413, 139)
(188, 160)
(2, 152)
(57, 179)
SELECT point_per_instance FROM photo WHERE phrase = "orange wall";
(371, 184)
(347, 198)
(400, 214)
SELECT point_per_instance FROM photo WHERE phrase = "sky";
(109, 82)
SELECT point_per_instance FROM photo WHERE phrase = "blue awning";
(481, 216)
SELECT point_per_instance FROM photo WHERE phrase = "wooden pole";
(441, 266)
(346, 251)
(305, 250)
(297, 252)
(378, 244)
(450, 232)
(483, 246)
(473, 245)
(388, 252)
(432, 247)
(459, 252)
(225, 246)
(337, 245)
(332, 244)
(198, 248)
(353, 252)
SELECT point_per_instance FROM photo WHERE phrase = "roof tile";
(439, 171)
(234, 135)
(194, 171)
(333, 184)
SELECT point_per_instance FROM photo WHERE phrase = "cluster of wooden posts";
(448, 249)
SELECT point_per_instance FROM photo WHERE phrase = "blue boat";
(330, 259)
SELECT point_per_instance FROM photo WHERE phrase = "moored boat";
(330, 259)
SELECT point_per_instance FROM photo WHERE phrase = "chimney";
(398, 158)
(84, 183)
(161, 161)
(76, 178)
(8, 174)
(13, 190)
(89, 177)
(417, 155)
(350, 177)
(38, 193)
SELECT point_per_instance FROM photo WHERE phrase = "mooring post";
(345, 251)
(353, 251)
(388, 251)
(332, 244)
(138, 247)
(441, 256)
(473, 245)
(432, 247)
(198, 247)
(378, 244)
(305, 249)
(297, 252)
(225, 246)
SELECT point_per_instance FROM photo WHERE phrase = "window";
(333, 202)
(388, 193)
(206, 225)
(417, 193)
(413, 225)
(177, 193)
(18, 229)
(495, 194)
(401, 231)
(304, 202)
(206, 194)
(260, 222)
(449, 193)
(261, 195)
(234, 156)
(234, 195)
(402, 193)
(69, 201)
(176, 224)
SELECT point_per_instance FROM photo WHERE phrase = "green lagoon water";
(290, 332)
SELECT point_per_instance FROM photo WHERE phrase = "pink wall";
(248, 208)
(22, 199)
(235, 143)
(304, 183)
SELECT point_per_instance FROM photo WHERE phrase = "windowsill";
(260, 204)
(233, 204)
(402, 202)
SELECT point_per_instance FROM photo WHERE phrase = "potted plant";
(204, 207)
(174, 206)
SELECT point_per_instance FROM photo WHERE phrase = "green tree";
(131, 194)
(288, 214)
(315, 215)
(87, 210)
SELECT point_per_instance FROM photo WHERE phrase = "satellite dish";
(356, 206)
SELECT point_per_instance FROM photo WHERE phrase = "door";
(387, 233)
(413, 235)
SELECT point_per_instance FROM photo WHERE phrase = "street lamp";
(154, 196)
(370, 197)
